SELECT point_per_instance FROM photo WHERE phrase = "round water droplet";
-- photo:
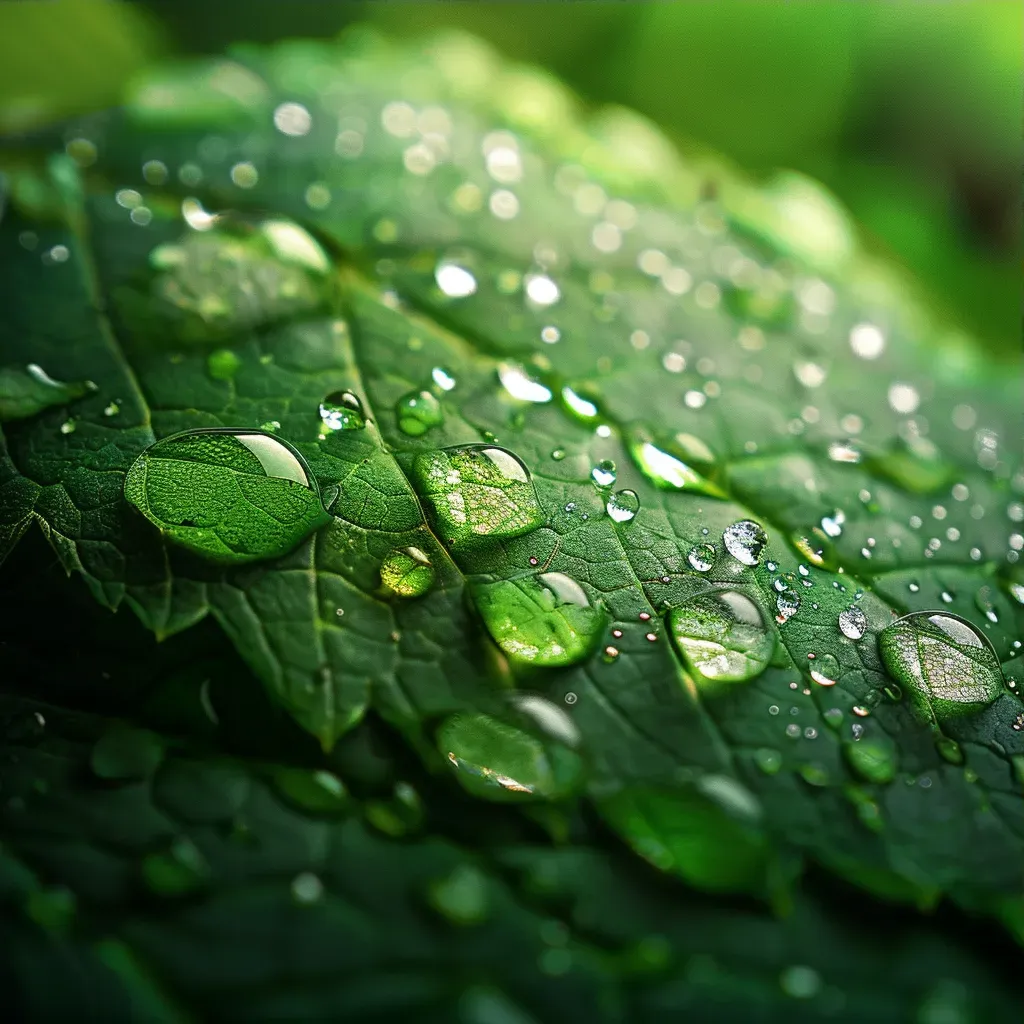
(498, 761)
(603, 474)
(408, 573)
(833, 717)
(949, 750)
(623, 506)
(462, 896)
(853, 623)
(222, 364)
(232, 496)
(943, 660)
(342, 410)
(722, 636)
(745, 540)
(873, 759)
(768, 760)
(825, 670)
(477, 490)
(701, 557)
(546, 619)
(787, 603)
(558, 454)
(417, 412)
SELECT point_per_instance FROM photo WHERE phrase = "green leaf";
(616, 381)
(24, 392)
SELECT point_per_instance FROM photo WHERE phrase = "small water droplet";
(603, 474)
(342, 410)
(558, 454)
(701, 557)
(949, 750)
(623, 506)
(417, 412)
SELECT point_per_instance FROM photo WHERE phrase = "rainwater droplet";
(745, 540)
(701, 557)
(546, 619)
(417, 412)
(477, 490)
(853, 623)
(603, 474)
(722, 636)
(232, 496)
(342, 410)
(943, 660)
(623, 506)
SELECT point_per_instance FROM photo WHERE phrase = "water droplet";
(407, 573)
(461, 896)
(623, 506)
(442, 378)
(232, 496)
(342, 410)
(580, 407)
(787, 603)
(307, 888)
(745, 540)
(949, 750)
(417, 412)
(702, 557)
(667, 472)
(768, 760)
(603, 474)
(477, 490)
(222, 364)
(874, 760)
(853, 623)
(943, 660)
(68, 426)
(833, 717)
(312, 791)
(825, 670)
(609, 654)
(519, 384)
(498, 761)
(983, 601)
(546, 619)
(557, 454)
(722, 636)
(455, 281)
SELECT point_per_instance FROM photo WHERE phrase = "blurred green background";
(910, 112)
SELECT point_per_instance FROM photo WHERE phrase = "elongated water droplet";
(787, 603)
(824, 670)
(477, 490)
(853, 623)
(702, 557)
(232, 496)
(417, 412)
(213, 285)
(722, 636)
(498, 761)
(24, 392)
(745, 540)
(408, 572)
(943, 660)
(873, 759)
(768, 760)
(545, 619)
(667, 472)
(623, 506)
(316, 792)
(949, 750)
(342, 410)
(603, 474)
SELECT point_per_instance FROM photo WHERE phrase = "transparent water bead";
(546, 619)
(342, 410)
(853, 623)
(723, 636)
(623, 506)
(745, 540)
(477, 490)
(943, 660)
(232, 496)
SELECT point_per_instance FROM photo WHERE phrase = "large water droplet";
(702, 557)
(545, 619)
(417, 412)
(342, 410)
(477, 490)
(943, 660)
(216, 284)
(745, 540)
(407, 573)
(722, 636)
(232, 496)
(500, 762)
(853, 623)
(623, 506)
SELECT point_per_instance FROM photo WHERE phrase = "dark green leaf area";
(230, 496)
(170, 895)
